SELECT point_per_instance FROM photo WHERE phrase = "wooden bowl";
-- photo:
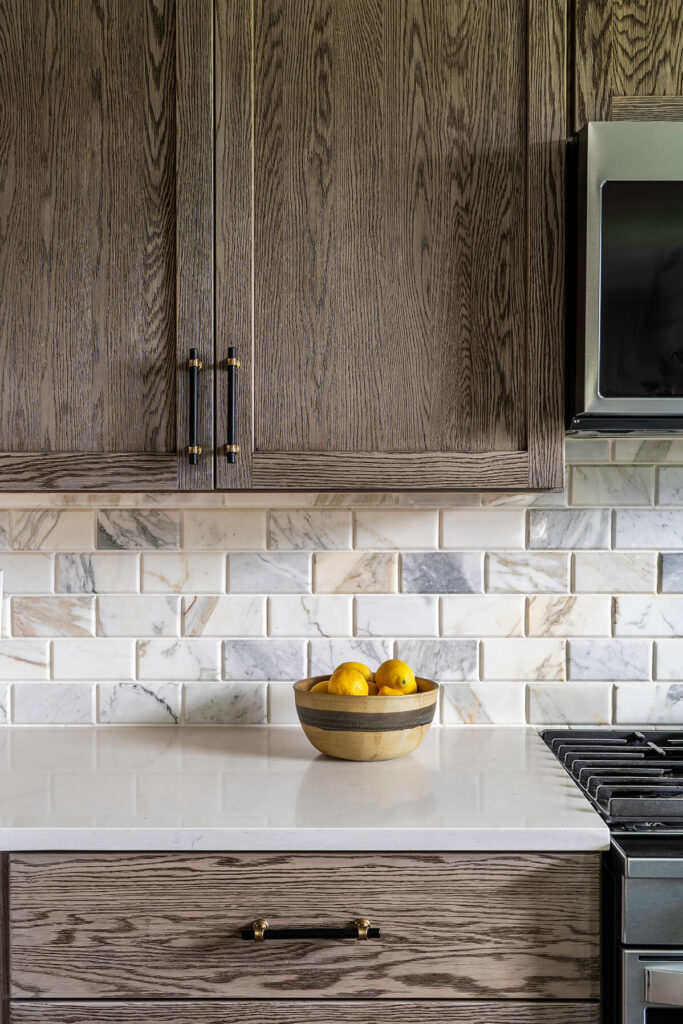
(365, 728)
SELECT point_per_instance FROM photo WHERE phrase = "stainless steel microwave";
(626, 370)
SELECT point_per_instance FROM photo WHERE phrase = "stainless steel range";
(635, 780)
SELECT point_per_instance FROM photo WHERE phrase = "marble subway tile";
(97, 573)
(609, 659)
(264, 659)
(523, 659)
(138, 616)
(664, 450)
(613, 572)
(5, 530)
(308, 616)
(355, 572)
(397, 616)
(441, 659)
(612, 485)
(325, 655)
(26, 573)
(527, 572)
(309, 530)
(53, 616)
(670, 485)
(4, 703)
(52, 530)
(442, 572)
(569, 528)
(175, 572)
(482, 615)
(648, 528)
(93, 659)
(127, 703)
(489, 528)
(390, 529)
(565, 615)
(672, 572)
(224, 530)
(648, 616)
(483, 703)
(570, 704)
(233, 615)
(281, 706)
(179, 659)
(669, 659)
(225, 703)
(53, 704)
(649, 704)
(24, 659)
(267, 572)
(137, 529)
(586, 451)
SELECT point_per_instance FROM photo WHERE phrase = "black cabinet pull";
(261, 930)
(194, 449)
(233, 364)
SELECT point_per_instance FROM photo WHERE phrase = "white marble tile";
(648, 528)
(93, 659)
(269, 572)
(281, 706)
(586, 451)
(672, 572)
(404, 615)
(181, 573)
(304, 616)
(232, 615)
(138, 616)
(649, 704)
(224, 530)
(440, 659)
(569, 528)
(355, 572)
(610, 659)
(442, 572)
(570, 704)
(135, 529)
(108, 572)
(309, 530)
(669, 659)
(569, 615)
(612, 485)
(483, 703)
(482, 615)
(179, 659)
(670, 485)
(53, 616)
(52, 530)
(139, 703)
(225, 703)
(613, 572)
(26, 573)
(661, 450)
(4, 703)
(5, 530)
(409, 529)
(522, 659)
(487, 528)
(24, 659)
(53, 704)
(648, 616)
(527, 572)
(325, 655)
(264, 659)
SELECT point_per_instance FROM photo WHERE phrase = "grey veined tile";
(569, 528)
(522, 572)
(612, 485)
(672, 572)
(610, 659)
(648, 616)
(441, 572)
(649, 528)
(570, 704)
(97, 573)
(138, 529)
(269, 572)
(139, 703)
(440, 659)
(264, 659)
(649, 704)
(308, 530)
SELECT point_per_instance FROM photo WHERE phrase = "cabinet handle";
(233, 364)
(194, 449)
(261, 930)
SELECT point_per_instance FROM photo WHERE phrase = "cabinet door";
(106, 237)
(389, 260)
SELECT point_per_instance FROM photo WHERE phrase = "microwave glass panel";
(641, 289)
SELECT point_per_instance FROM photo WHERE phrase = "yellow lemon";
(320, 687)
(348, 681)
(372, 690)
(358, 666)
(396, 675)
(389, 691)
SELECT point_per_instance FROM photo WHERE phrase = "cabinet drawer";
(452, 925)
(287, 1011)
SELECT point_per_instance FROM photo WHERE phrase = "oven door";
(652, 986)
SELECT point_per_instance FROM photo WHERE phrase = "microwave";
(625, 371)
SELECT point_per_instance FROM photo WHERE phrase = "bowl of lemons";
(360, 715)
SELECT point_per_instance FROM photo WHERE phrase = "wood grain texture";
(101, 472)
(286, 1011)
(625, 48)
(646, 108)
(380, 471)
(4, 939)
(487, 926)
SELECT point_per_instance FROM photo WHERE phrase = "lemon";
(348, 681)
(372, 690)
(396, 675)
(320, 687)
(389, 691)
(358, 666)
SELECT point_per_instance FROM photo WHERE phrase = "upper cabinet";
(106, 243)
(389, 242)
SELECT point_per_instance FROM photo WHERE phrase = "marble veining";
(569, 528)
(264, 659)
(269, 572)
(442, 572)
(139, 703)
(564, 615)
(226, 704)
(224, 616)
(527, 572)
(441, 659)
(352, 572)
(648, 616)
(94, 573)
(309, 530)
(325, 655)
(136, 529)
(610, 659)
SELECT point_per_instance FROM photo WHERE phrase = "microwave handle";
(664, 984)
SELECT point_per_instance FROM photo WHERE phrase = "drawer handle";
(261, 930)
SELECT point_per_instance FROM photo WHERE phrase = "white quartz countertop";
(266, 788)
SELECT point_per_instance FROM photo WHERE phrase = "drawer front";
(288, 1011)
(452, 925)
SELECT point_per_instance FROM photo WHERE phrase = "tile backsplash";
(556, 608)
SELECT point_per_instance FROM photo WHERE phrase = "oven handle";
(664, 984)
